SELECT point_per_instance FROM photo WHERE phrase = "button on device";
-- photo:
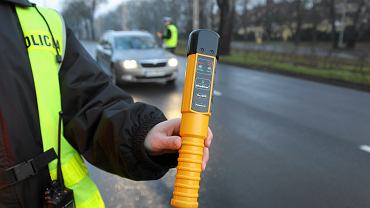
(202, 83)
(200, 105)
(201, 95)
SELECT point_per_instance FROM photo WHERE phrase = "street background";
(291, 109)
(279, 142)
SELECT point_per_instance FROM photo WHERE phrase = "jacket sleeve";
(103, 122)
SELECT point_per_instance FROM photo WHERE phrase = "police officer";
(44, 70)
(170, 36)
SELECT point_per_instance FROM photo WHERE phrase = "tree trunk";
(297, 37)
(316, 19)
(314, 33)
(332, 12)
(203, 14)
(268, 19)
(357, 28)
(189, 22)
(213, 16)
(227, 11)
(244, 19)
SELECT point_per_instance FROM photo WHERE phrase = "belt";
(26, 169)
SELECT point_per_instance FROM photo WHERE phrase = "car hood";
(141, 54)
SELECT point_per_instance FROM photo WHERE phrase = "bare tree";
(333, 17)
(299, 19)
(315, 17)
(268, 18)
(240, 26)
(93, 5)
(76, 15)
(227, 11)
(80, 13)
(244, 17)
(204, 14)
(213, 8)
(360, 18)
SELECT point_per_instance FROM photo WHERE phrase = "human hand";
(159, 34)
(164, 138)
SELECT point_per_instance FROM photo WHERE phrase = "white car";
(134, 56)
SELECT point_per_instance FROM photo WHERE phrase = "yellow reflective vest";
(172, 41)
(45, 68)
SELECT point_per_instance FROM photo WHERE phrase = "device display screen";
(202, 84)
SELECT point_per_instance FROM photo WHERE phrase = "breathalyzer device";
(202, 55)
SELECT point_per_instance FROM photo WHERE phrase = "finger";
(174, 127)
(205, 158)
(169, 143)
(209, 138)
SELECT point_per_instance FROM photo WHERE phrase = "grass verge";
(349, 72)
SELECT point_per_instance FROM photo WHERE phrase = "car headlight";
(129, 64)
(172, 62)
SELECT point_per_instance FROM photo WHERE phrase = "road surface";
(280, 142)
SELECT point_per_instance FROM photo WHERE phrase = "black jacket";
(101, 121)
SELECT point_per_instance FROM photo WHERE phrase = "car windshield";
(134, 42)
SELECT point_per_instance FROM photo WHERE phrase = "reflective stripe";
(46, 80)
(172, 41)
(95, 201)
(71, 177)
(90, 197)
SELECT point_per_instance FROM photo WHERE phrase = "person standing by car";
(45, 70)
(170, 36)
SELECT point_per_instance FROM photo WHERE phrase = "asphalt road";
(280, 142)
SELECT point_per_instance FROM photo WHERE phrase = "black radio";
(58, 197)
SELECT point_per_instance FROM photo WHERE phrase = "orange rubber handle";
(188, 173)
(190, 159)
